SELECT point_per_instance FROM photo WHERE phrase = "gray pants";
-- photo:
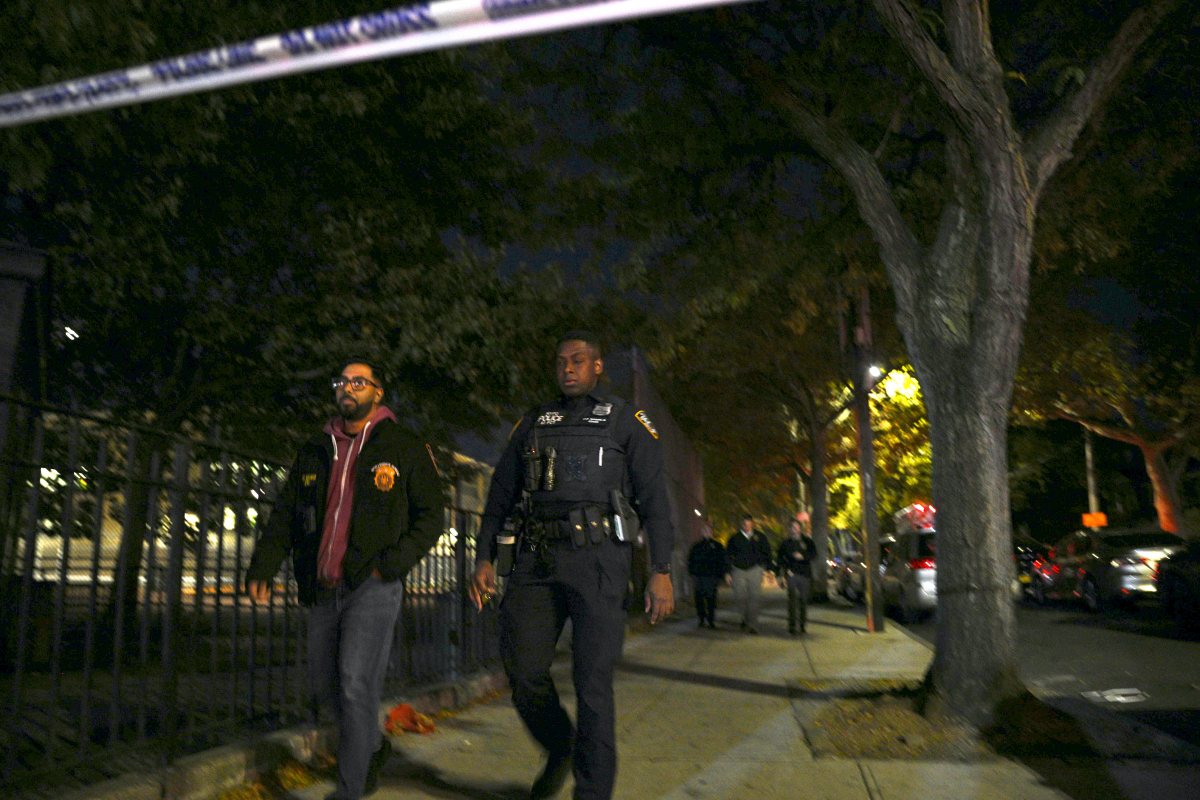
(747, 588)
(349, 640)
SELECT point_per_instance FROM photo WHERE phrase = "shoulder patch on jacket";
(385, 476)
(644, 418)
(308, 479)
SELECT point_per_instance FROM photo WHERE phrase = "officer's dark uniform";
(599, 443)
(795, 559)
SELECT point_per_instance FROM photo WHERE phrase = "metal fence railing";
(127, 638)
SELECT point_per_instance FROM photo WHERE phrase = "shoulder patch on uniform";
(308, 479)
(385, 476)
(433, 460)
(644, 418)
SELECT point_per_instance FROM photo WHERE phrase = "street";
(1066, 652)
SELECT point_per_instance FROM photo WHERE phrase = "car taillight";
(922, 563)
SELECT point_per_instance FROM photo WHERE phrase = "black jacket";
(796, 556)
(746, 553)
(391, 526)
(707, 559)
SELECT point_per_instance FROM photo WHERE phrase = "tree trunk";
(1166, 494)
(975, 666)
(965, 345)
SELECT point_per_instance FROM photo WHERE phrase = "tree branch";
(960, 97)
(1050, 144)
(898, 246)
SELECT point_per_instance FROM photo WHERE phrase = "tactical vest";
(581, 461)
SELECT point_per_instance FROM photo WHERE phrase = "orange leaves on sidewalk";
(403, 718)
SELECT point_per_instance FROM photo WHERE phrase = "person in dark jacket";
(793, 562)
(707, 564)
(749, 556)
(361, 506)
(564, 462)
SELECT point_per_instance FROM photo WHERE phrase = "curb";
(204, 775)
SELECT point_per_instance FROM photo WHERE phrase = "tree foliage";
(1117, 349)
(218, 254)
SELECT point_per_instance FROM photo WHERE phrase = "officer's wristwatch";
(661, 569)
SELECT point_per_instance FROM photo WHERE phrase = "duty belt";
(582, 525)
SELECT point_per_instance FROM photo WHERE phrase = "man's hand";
(728, 579)
(259, 591)
(483, 584)
(660, 597)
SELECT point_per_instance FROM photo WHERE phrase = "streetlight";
(865, 374)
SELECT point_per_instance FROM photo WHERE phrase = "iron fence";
(128, 640)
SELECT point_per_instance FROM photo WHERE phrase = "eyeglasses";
(357, 383)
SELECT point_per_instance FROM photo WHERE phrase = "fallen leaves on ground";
(403, 718)
(888, 726)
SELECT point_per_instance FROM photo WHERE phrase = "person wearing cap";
(565, 462)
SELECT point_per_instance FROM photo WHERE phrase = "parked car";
(849, 577)
(1102, 567)
(1028, 555)
(910, 575)
(1178, 582)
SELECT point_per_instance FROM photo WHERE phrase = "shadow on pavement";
(400, 772)
(703, 679)
(1055, 745)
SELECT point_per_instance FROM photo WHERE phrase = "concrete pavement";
(714, 715)
(717, 715)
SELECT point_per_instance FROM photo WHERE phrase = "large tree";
(962, 288)
(946, 131)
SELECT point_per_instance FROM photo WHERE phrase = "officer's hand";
(483, 584)
(728, 580)
(259, 591)
(660, 597)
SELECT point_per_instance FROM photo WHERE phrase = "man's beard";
(354, 411)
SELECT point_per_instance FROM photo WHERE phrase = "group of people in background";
(741, 563)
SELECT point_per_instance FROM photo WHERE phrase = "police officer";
(794, 573)
(566, 461)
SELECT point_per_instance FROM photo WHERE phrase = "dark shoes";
(752, 630)
(550, 782)
(378, 759)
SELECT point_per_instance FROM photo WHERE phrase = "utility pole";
(866, 460)
(1093, 497)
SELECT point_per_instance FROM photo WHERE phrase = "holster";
(625, 519)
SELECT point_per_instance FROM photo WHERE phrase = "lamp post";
(864, 379)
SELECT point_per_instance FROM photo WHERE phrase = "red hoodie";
(339, 499)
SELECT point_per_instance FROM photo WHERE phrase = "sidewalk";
(706, 714)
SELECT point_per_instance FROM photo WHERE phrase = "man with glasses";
(361, 506)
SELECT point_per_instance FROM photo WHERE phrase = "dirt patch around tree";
(889, 726)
